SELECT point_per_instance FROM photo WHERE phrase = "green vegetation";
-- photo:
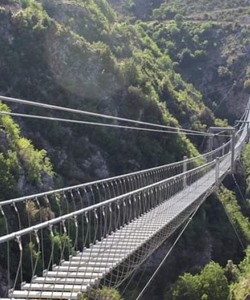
(215, 282)
(193, 45)
(120, 70)
(102, 294)
(240, 286)
(187, 7)
(234, 210)
(210, 284)
(23, 170)
(246, 161)
(19, 159)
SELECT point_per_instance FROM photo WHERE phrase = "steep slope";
(50, 55)
(211, 34)
(217, 39)
(214, 57)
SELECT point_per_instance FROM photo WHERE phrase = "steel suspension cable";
(239, 189)
(87, 113)
(167, 254)
(178, 130)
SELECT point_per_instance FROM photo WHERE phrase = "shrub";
(102, 294)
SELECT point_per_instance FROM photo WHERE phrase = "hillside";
(217, 39)
(163, 62)
(189, 7)
(120, 71)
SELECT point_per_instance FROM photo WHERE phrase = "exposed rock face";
(97, 162)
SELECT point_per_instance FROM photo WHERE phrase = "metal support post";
(248, 132)
(184, 171)
(211, 140)
(232, 151)
(233, 141)
(223, 149)
(217, 171)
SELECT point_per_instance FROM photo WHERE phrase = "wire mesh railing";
(23, 212)
(43, 245)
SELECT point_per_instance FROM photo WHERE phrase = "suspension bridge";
(62, 243)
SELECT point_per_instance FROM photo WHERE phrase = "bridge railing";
(40, 246)
(23, 212)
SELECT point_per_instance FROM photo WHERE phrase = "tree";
(102, 294)
(187, 288)
(214, 282)
(178, 20)
(210, 284)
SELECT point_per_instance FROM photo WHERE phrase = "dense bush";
(102, 294)
(210, 284)
(19, 158)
